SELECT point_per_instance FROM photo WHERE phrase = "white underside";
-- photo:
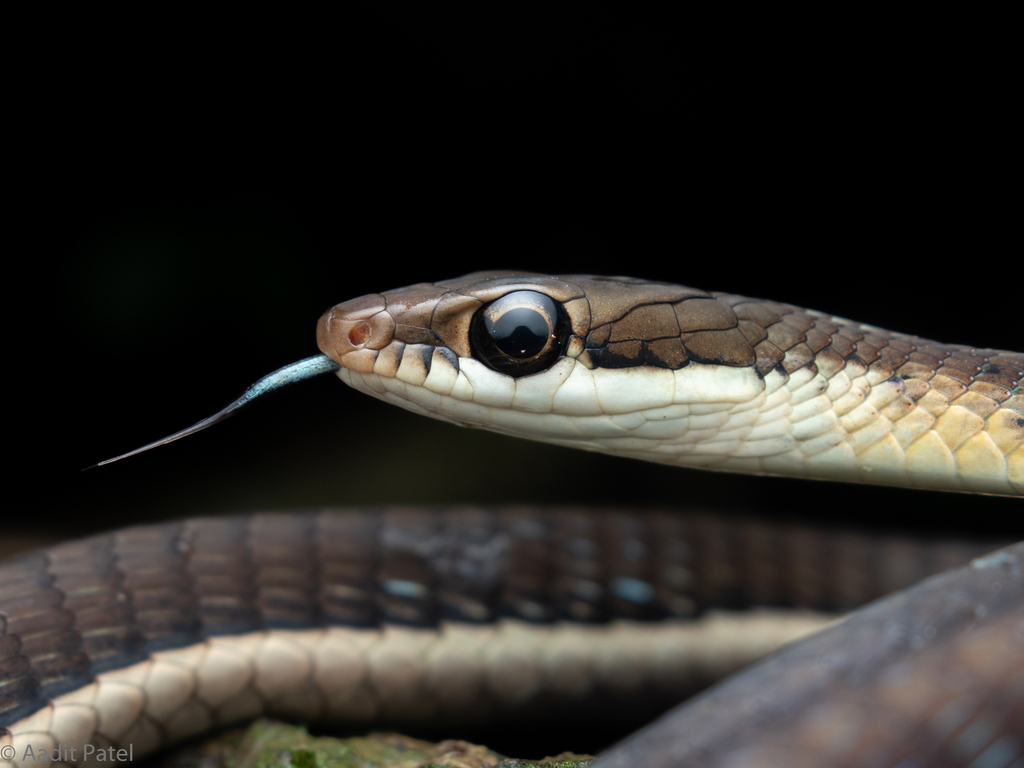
(394, 673)
(849, 427)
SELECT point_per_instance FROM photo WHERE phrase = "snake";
(148, 635)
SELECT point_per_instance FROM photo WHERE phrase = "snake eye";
(522, 333)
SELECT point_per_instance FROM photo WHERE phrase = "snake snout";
(351, 332)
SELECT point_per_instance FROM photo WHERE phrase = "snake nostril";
(359, 334)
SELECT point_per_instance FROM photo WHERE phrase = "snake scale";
(152, 634)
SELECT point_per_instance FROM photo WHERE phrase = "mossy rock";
(269, 744)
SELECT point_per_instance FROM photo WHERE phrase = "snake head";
(677, 375)
(566, 359)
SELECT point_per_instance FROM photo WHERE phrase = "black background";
(188, 207)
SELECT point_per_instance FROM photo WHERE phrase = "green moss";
(269, 744)
(303, 758)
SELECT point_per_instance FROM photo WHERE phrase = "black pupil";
(520, 333)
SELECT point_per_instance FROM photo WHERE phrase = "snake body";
(158, 632)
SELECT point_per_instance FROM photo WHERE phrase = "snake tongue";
(282, 377)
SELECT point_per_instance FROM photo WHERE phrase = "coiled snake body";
(158, 632)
